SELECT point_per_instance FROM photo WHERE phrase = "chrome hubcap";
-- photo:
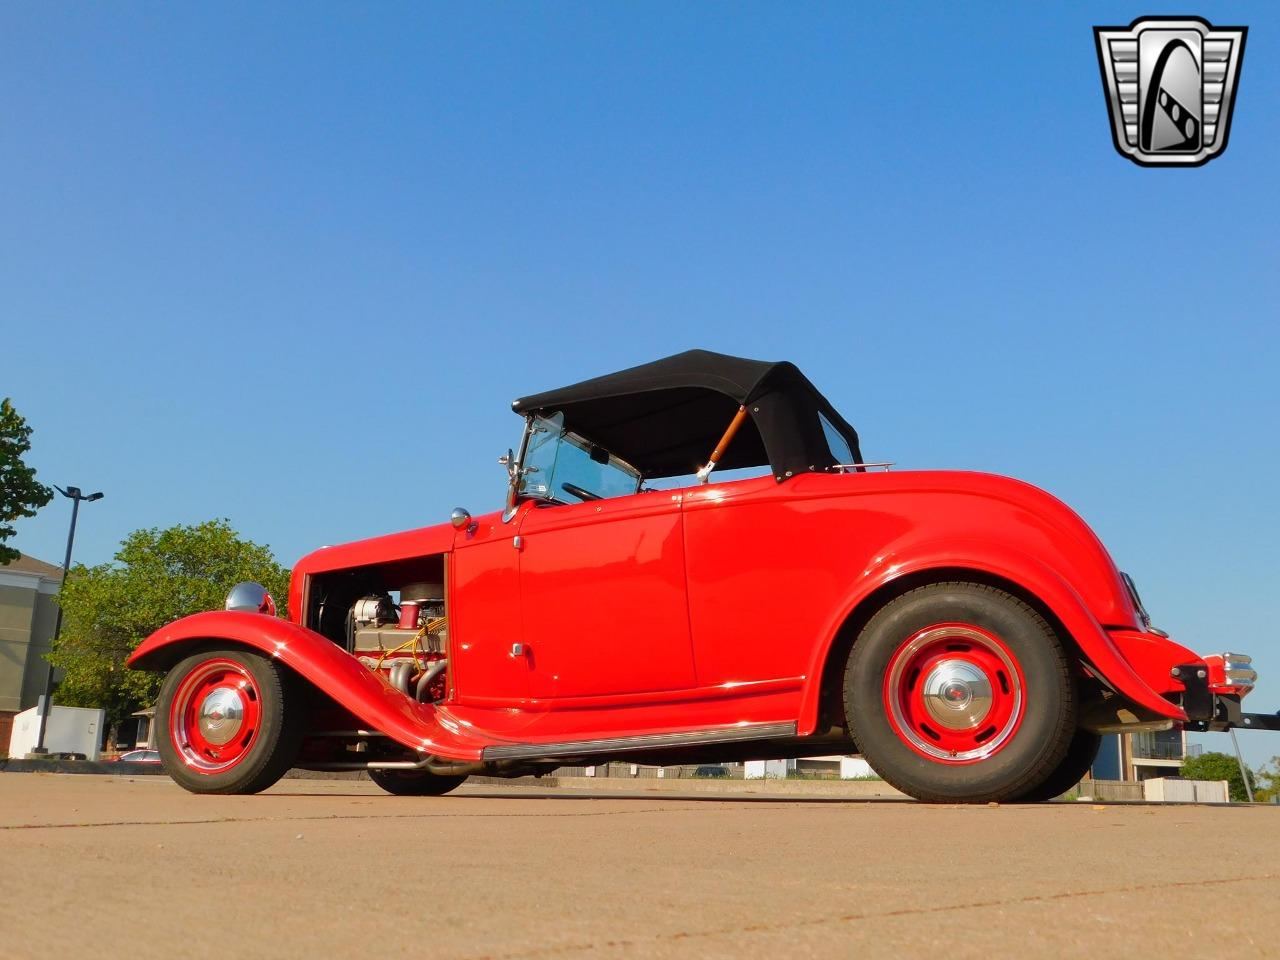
(957, 694)
(221, 715)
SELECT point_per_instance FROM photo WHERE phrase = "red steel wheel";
(954, 693)
(229, 720)
(960, 692)
(215, 715)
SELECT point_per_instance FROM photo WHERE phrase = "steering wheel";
(578, 491)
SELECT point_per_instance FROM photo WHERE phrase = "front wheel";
(228, 721)
(962, 693)
(414, 783)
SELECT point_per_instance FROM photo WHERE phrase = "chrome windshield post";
(515, 471)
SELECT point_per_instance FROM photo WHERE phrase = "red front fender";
(416, 725)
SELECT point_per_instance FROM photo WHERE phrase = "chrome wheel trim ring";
(182, 734)
(903, 657)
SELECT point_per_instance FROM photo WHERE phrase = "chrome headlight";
(251, 597)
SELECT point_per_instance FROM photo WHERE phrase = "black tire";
(1039, 716)
(1080, 756)
(415, 783)
(266, 740)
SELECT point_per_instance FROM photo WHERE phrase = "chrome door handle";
(519, 650)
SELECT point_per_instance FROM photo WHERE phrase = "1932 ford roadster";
(968, 634)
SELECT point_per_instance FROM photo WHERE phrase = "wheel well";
(831, 692)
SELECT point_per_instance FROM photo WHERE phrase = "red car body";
(713, 618)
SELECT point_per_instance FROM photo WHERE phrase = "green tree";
(20, 494)
(1268, 781)
(157, 577)
(1218, 766)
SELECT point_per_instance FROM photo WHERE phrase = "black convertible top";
(665, 417)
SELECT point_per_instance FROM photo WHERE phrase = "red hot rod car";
(968, 634)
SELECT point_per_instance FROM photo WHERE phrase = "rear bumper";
(1201, 693)
(1212, 694)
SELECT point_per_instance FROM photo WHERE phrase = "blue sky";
(289, 264)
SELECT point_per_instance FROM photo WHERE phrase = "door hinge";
(518, 543)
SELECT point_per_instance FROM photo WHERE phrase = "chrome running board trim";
(653, 741)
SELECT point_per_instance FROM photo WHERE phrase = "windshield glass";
(562, 466)
(838, 444)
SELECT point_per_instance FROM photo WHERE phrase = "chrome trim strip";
(425, 763)
(854, 467)
(529, 751)
(370, 765)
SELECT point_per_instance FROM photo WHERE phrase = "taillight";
(1231, 673)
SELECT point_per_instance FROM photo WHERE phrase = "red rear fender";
(320, 661)
(1136, 680)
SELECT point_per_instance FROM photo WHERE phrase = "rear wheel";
(229, 721)
(960, 692)
(1080, 756)
(414, 783)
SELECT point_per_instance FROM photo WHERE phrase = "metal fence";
(1107, 790)
(1148, 747)
(1156, 746)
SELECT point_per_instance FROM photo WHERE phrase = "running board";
(653, 741)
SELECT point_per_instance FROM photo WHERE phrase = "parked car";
(139, 756)
(966, 633)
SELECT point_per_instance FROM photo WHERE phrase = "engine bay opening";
(391, 617)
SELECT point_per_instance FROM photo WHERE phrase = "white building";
(1143, 756)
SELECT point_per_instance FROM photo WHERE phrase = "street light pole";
(1244, 771)
(75, 496)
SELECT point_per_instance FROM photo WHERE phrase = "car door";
(484, 617)
(603, 602)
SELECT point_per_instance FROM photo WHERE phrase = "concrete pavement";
(109, 867)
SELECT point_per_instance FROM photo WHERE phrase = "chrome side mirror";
(513, 483)
(461, 520)
(515, 468)
(508, 460)
(250, 597)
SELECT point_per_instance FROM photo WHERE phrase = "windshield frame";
(519, 491)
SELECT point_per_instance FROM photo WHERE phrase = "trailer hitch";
(1259, 721)
(1208, 711)
(1197, 698)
